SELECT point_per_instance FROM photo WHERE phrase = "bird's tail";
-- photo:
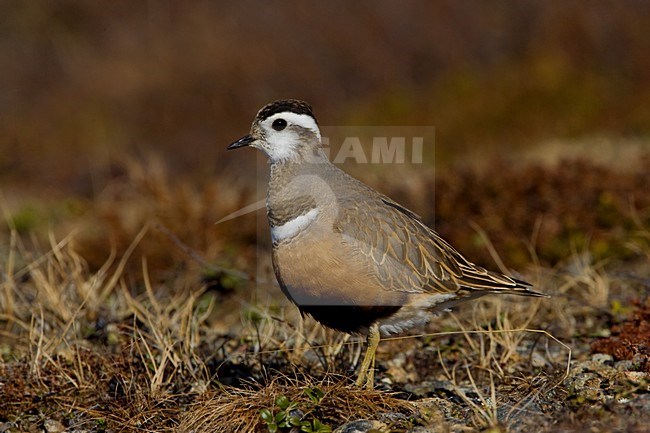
(482, 280)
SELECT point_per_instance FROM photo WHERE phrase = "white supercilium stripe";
(294, 226)
(302, 120)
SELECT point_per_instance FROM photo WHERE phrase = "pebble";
(637, 377)
(53, 426)
(602, 358)
(361, 426)
(625, 365)
(5, 426)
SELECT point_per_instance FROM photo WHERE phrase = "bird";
(350, 257)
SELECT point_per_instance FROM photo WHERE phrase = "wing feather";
(408, 256)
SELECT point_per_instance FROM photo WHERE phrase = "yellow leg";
(367, 371)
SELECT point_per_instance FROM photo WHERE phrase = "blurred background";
(124, 307)
(116, 113)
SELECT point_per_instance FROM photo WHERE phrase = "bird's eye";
(279, 124)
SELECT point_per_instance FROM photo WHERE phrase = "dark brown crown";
(282, 106)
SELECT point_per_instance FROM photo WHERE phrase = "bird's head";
(285, 130)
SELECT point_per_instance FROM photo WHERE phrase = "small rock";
(625, 365)
(53, 426)
(587, 386)
(538, 360)
(5, 426)
(602, 370)
(438, 411)
(112, 334)
(297, 413)
(640, 359)
(602, 358)
(393, 417)
(427, 388)
(199, 387)
(399, 371)
(362, 426)
(636, 377)
(429, 429)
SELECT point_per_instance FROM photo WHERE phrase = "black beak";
(246, 140)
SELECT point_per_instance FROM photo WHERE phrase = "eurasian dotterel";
(347, 255)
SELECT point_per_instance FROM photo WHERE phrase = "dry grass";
(146, 366)
(498, 357)
(162, 334)
(235, 410)
(124, 308)
(84, 342)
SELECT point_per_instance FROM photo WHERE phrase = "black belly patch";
(349, 318)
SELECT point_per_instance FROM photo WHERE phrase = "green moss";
(27, 219)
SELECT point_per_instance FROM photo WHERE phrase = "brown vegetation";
(124, 308)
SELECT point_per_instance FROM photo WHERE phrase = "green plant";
(290, 415)
(314, 394)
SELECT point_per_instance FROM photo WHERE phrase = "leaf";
(282, 402)
(266, 415)
(315, 394)
(311, 395)
(320, 427)
(280, 417)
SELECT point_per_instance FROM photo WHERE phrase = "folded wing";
(410, 257)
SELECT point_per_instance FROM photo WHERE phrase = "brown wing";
(408, 256)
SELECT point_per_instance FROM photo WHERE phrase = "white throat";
(283, 145)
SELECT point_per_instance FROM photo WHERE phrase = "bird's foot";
(366, 378)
